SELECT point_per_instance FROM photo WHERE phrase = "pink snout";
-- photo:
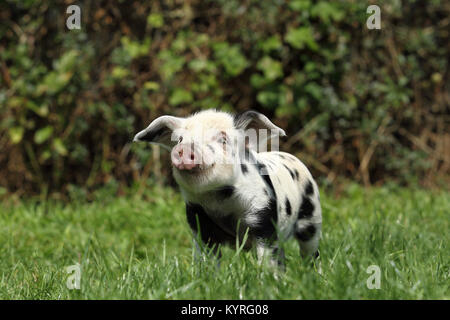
(184, 157)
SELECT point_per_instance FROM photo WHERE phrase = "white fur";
(250, 195)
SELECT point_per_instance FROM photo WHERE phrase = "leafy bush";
(370, 105)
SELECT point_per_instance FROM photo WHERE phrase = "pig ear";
(160, 131)
(255, 120)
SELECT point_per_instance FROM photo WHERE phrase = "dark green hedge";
(370, 105)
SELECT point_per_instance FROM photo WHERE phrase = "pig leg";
(207, 234)
(308, 235)
(273, 254)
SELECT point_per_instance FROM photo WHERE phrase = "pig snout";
(185, 157)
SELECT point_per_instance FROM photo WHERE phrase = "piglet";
(233, 188)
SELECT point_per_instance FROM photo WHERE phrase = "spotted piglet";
(232, 188)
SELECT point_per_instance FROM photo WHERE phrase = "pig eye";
(180, 139)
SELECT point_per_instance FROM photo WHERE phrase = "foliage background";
(367, 105)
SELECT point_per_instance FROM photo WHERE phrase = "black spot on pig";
(309, 190)
(265, 229)
(210, 233)
(306, 208)
(288, 207)
(305, 233)
(290, 171)
(225, 192)
(268, 216)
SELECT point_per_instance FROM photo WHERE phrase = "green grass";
(140, 248)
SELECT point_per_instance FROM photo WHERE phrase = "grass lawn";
(140, 248)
